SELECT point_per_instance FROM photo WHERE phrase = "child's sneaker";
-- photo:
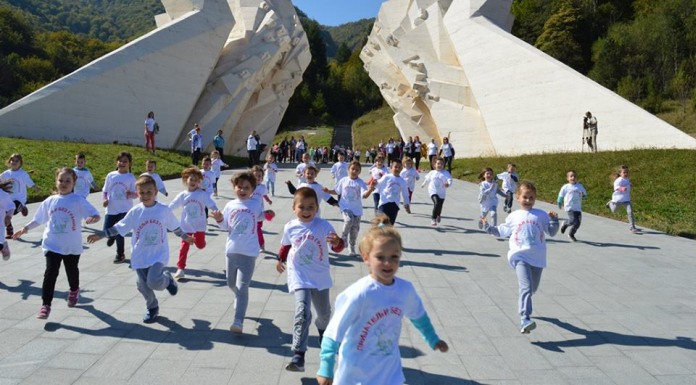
(44, 312)
(119, 258)
(439, 218)
(24, 210)
(296, 363)
(480, 224)
(9, 231)
(73, 297)
(5, 251)
(564, 227)
(172, 288)
(572, 237)
(433, 222)
(237, 327)
(527, 326)
(635, 230)
(151, 315)
(179, 274)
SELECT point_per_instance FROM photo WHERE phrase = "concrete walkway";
(614, 308)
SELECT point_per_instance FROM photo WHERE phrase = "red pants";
(259, 233)
(198, 240)
(150, 141)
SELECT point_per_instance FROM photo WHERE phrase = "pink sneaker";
(44, 312)
(5, 251)
(73, 296)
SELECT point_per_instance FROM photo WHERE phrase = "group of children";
(368, 314)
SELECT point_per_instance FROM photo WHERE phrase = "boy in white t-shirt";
(339, 170)
(85, 181)
(151, 171)
(570, 198)
(117, 196)
(510, 179)
(148, 222)
(304, 250)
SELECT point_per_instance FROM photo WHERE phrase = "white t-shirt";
(239, 220)
(319, 189)
(432, 149)
(259, 192)
(618, 195)
(367, 324)
(572, 196)
(488, 195)
(527, 239)
(63, 215)
(270, 172)
(299, 171)
(149, 243)
(410, 175)
(193, 217)
(208, 180)
(216, 166)
(509, 183)
(339, 170)
(390, 147)
(150, 124)
(84, 182)
(351, 191)
(252, 143)
(436, 180)
(159, 183)
(447, 149)
(389, 187)
(20, 181)
(116, 189)
(377, 173)
(308, 260)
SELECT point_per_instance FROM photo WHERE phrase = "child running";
(304, 250)
(311, 173)
(239, 218)
(438, 180)
(352, 190)
(151, 171)
(570, 199)
(622, 196)
(526, 228)
(389, 187)
(339, 170)
(117, 197)
(510, 179)
(366, 326)
(62, 237)
(193, 219)
(216, 164)
(300, 170)
(85, 181)
(377, 171)
(19, 180)
(488, 199)
(149, 222)
(270, 169)
(410, 175)
(261, 195)
(7, 207)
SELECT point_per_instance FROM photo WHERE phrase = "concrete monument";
(452, 68)
(226, 64)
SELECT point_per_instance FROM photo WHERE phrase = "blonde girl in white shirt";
(366, 326)
(62, 237)
(621, 196)
(487, 197)
(438, 181)
(20, 181)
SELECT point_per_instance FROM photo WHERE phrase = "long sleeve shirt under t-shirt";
(509, 179)
(239, 220)
(193, 217)
(389, 188)
(526, 230)
(308, 259)
(63, 215)
(149, 241)
(572, 195)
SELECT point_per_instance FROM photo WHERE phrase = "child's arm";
(337, 244)
(329, 191)
(561, 197)
(31, 225)
(267, 199)
(425, 327)
(327, 361)
(282, 257)
(219, 218)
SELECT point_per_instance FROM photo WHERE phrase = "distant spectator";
(151, 128)
(219, 143)
(252, 149)
(196, 145)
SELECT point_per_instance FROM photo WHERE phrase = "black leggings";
(53, 261)
(437, 205)
(109, 221)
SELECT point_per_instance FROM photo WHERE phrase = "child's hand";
(19, 233)
(189, 239)
(441, 346)
(553, 214)
(622, 189)
(333, 239)
(326, 190)
(324, 381)
(217, 215)
(280, 266)
(105, 203)
(93, 219)
(93, 238)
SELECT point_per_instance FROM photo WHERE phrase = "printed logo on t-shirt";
(193, 209)
(62, 220)
(118, 192)
(149, 233)
(386, 337)
(528, 234)
(242, 221)
(351, 193)
(81, 184)
(306, 247)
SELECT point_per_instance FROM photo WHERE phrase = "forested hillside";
(346, 38)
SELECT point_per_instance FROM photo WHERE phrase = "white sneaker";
(480, 225)
(433, 222)
(179, 274)
(236, 327)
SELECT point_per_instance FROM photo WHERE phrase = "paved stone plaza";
(614, 308)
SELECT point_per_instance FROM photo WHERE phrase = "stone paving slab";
(614, 308)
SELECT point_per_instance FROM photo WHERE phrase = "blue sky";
(337, 12)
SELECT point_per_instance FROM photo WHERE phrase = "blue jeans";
(303, 315)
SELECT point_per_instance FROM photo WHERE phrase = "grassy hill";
(662, 195)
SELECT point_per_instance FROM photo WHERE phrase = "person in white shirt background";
(432, 153)
(438, 181)
(621, 197)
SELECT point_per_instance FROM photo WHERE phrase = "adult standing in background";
(432, 153)
(417, 151)
(150, 125)
(252, 149)
(447, 152)
(284, 148)
(219, 143)
(196, 145)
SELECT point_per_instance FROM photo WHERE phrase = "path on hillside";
(614, 308)
(343, 136)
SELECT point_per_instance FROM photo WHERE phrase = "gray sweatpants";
(150, 279)
(528, 279)
(240, 268)
(614, 207)
(351, 227)
(303, 315)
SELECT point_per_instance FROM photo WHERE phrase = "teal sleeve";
(327, 357)
(425, 327)
(559, 201)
